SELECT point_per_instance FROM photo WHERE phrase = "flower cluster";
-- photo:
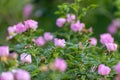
(108, 41)
(20, 28)
(41, 40)
(17, 74)
(113, 27)
(76, 26)
(5, 56)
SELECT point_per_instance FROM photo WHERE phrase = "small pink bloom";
(112, 29)
(111, 46)
(77, 27)
(26, 58)
(60, 64)
(117, 68)
(27, 10)
(60, 22)
(22, 75)
(6, 76)
(93, 41)
(71, 17)
(59, 42)
(4, 50)
(48, 36)
(40, 41)
(11, 30)
(116, 23)
(106, 38)
(103, 70)
(31, 24)
(20, 28)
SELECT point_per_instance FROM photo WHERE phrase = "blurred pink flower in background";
(25, 58)
(70, 17)
(40, 41)
(22, 75)
(48, 36)
(113, 27)
(77, 27)
(111, 46)
(106, 38)
(60, 64)
(4, 50)
(27, 10)
(20, 28)
(59, 42)
(117, 68)
(7, 76)
(93, 41)
(31, 24)
(60, 22)
(103, 70)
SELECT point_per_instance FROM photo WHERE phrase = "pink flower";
(60, 64)
(22, 75)
(103, 70)
(93, 41)
(27, 10)
(6, 76)
(4, 50)
(76, 27)
(111, 46)
(11, 30)
(20, 28)
(117, 68)
(26, 58)
(40, 41)
(116, 23)
(112, 29)
(31, 24)
(60, 22)
(71, 17)
(59, 42)
(48, 36)
(106, 38)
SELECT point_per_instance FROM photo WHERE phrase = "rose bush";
(70, 53)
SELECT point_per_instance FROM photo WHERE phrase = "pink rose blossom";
(22, 75)
(27, 10)
(40, 41)
(31, 24)
(60, 64)
(106, 38)
(71, 17)
(20, 28)
(11, 30)
(48, 36)
(26, 58)
(103, 70)
(116, 23)
(77, 27)
(60, 22)
(6, 76)
(4, 50)
(117, 68)
(111, 46)
(112, 29)
(59, 42)
(93, 41)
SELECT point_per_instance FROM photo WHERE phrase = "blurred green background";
(11, 12)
